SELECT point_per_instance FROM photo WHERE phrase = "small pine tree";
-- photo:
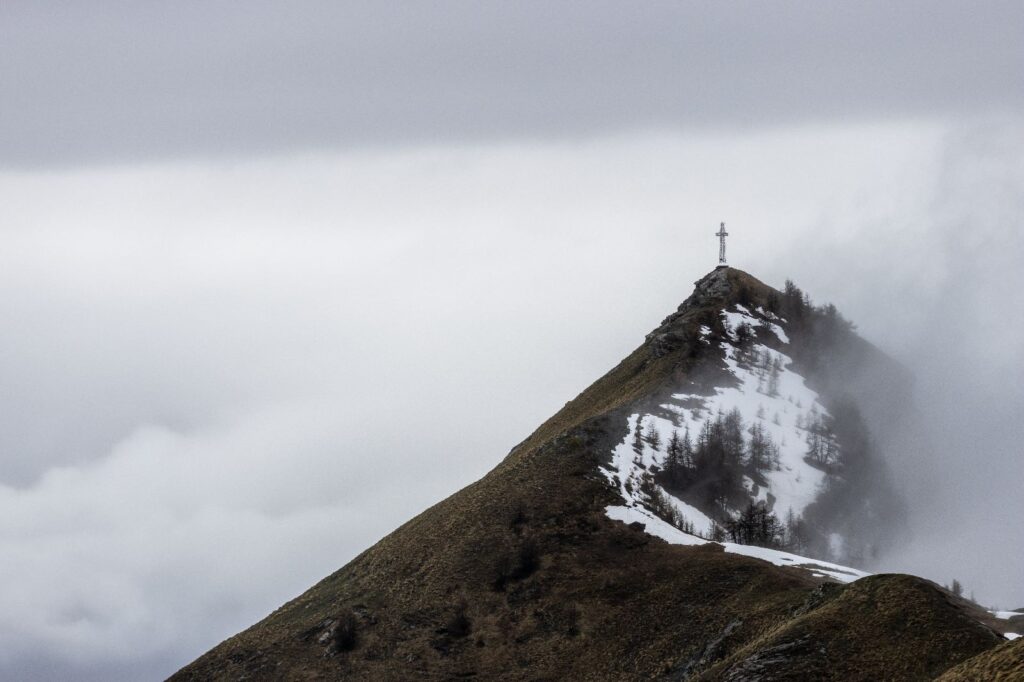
(674, 457)
(830, 451)
(743, 333)
(760, 448)
(638, 436)
(814, 447)
(755, 526)
(653, 437)
(687, 449)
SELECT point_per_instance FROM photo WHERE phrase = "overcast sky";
(274, 280)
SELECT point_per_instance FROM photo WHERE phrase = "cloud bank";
(225, 380)
(126, 81)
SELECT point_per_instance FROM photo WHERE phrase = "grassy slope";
(521, 576)
(1001, 664)
(888, 614)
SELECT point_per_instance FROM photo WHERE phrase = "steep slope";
(531, 573)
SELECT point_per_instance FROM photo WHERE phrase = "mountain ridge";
(523, 575)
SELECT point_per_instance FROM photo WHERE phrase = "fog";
(241, 346)
(939, 288)
(256, 370)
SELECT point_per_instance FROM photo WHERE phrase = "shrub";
(346, 633)
(459, 625)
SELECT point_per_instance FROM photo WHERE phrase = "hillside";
(556, 566)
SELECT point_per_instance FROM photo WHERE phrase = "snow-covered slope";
(771, 398)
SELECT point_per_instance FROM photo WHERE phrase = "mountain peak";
(719, 288)
(657, 526)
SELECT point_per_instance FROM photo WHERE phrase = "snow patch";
(629, 468)
(769, 314)
(795, 484)
(652, 525)
(1006, 615)
(672, 535)
(779, 332)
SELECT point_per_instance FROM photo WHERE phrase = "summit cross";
(721, 234)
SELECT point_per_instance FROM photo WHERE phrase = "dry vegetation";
(521, 576)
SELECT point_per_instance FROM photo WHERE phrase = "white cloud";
(174, 540)
(222, 381)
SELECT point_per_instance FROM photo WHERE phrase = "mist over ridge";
(275, 280)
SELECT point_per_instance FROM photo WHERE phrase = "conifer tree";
(653, 437)
(743, 334)
(755, 526)
(687, 449)
(759, 450)
(674, 457)
(638, 436)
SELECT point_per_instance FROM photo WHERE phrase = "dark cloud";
(115, 81)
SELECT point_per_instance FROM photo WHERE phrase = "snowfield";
(793, 485)
(796, 483)
(782, 406)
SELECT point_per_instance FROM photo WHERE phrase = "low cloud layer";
(222, 381)
(115, 81)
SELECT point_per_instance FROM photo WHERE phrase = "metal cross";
(721, 234)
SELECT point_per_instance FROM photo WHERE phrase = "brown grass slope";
(887, 614)
(1005, 663)
(520, 576)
